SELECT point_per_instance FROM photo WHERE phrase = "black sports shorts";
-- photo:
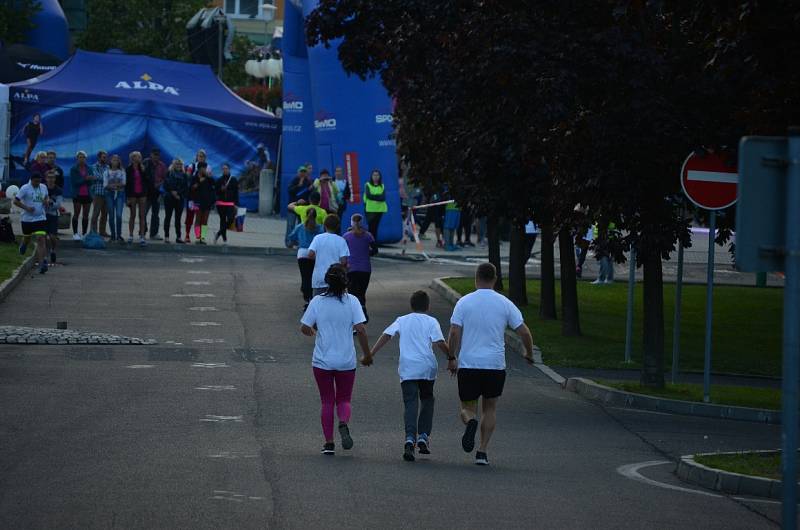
(476, 382)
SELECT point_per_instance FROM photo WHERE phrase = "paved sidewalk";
(267, 232)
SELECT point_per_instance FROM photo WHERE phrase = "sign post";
(768, 239)
(711, 182)
(676, 321)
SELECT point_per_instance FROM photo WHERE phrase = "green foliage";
(148, 27)
(10, 259)
(16, 18)
(746, 333)
(233, 73)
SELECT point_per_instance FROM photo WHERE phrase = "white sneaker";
(609, 282)
(598, 281)
(76, 237)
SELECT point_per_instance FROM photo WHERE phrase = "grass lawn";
(747, 330)
(10, 260)
(766, 465)
(740, 396)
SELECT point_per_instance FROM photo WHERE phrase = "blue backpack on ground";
(94, 241)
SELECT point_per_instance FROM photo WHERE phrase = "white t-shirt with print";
(329, 249)
(33, 196)
(484, 316)
(334, 318)
(418, 332)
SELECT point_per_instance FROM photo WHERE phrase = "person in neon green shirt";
(375, 202)
(300, 208)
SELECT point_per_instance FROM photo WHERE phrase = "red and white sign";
(710, 181)
(351, 174)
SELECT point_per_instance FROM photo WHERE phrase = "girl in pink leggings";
(331, 318)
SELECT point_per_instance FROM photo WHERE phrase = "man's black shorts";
(29, 229)
(475, 382)
(52, 224)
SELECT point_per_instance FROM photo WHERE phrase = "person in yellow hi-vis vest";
(375, 202)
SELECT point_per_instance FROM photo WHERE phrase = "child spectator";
(52, 212)
(417, 368)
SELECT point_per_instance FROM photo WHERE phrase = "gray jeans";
(418, 420)
(606, 269)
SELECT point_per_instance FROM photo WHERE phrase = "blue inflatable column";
(352, 120)
(51, 30)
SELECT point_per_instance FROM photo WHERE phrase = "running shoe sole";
(328, 450)
(347, 440)
(422, 447)
(408, 452)
(468, 440)
(481, 459)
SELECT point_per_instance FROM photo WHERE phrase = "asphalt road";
(217, 426)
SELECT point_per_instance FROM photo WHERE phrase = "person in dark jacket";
(81, 200)
(227, 188)
(137, 189)
(300, 189)
(176, 188)
(205, 197)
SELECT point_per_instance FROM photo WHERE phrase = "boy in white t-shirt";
(417, 368)
(327, 249)
(33, 199)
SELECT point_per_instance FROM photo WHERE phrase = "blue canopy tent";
(122, 103)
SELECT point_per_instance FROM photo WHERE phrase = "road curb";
(10, 284)
(513, 342)
(726, 481)
(611, 396)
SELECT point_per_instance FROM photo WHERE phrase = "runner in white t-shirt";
(331, 318)
(33, 199)
(327, 249)
(417, 368)
(477, 338)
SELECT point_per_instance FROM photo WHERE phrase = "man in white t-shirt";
(417, 368)
(477, 338)
(327, 249)
(33, 199)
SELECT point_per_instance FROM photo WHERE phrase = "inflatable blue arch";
(331, 119)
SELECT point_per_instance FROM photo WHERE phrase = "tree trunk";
(547, 299)
(653, 338)
(570, 319)
(517, 257)
(493, 234)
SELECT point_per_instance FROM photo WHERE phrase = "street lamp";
(269, 15)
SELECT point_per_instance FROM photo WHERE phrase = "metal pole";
(219, 57)
(676, 321)
(631, 286)
(712, 231)
(791, 334)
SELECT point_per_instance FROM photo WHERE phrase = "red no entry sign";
(710, 181)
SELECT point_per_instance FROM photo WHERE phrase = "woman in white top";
(331, 318)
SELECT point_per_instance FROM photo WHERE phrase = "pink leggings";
(335, 388)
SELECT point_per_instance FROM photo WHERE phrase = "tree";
(156, 28)
(16, 18)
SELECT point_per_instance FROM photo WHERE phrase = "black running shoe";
(481, 459)
(468, 440)
(52, 257)
(344, 432)
(422, 445)
(408, 452)
(329, 449)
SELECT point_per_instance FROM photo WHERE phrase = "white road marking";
(210, 365)
(140, 366)
(192, 260)
(193, 295)
(198, 272)
(215, 388)
(209, 341)
(203, 308)
(631, 471)
(215, 418)
(204, 324)
(227, 455)
(232, 496)
(713, 176)
(197, 283)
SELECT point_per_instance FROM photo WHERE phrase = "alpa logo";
(383, 118)
(146, 83)
(26, 97)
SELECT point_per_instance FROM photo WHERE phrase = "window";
(245, 8)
